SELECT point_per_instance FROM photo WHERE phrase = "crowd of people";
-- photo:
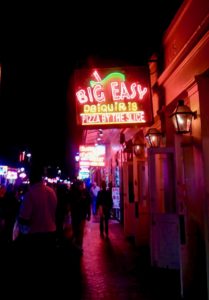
(49, 216)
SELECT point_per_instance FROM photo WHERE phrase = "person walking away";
(94, 192)
(104, 207)
(11, 209)
(38, 212)
(80, 212)
(62, 210)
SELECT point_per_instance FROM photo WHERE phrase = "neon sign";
(110, 97)
(90, 156)
(3, 170)
(12, 175)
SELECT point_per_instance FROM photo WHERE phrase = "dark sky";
(41, 46)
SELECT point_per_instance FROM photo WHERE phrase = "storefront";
(164, 188)
(178, 169)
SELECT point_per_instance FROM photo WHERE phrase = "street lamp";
(182, 118)
(153, 137)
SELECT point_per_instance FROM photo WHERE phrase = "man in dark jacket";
(80, 212)
(104, 206)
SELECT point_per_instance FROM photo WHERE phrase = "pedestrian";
(104, 207)
(62, 211)
(38, 212)
(94, 192)
(80, 212)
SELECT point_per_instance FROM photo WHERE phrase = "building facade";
(164, 190)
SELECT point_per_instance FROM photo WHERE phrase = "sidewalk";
(109, 269)
(115, 269)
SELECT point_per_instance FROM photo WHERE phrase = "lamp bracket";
(195, 114)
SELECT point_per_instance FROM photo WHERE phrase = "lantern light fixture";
(153, 137)
(182, 118)
(138, 144)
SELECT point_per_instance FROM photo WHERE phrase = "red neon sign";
(110, 97)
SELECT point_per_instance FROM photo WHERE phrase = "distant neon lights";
(3, 170)
(11, 175)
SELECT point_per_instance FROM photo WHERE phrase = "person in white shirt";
(38, 211)
(94, 192)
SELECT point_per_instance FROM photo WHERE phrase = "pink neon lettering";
(124, 92)
(96, 75)
(81, 95)
(133, 89)
(119, 91)
(91, 99)
(115, 90)
(140, 91)
(98, 94)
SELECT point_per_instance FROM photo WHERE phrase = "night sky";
(41, 46)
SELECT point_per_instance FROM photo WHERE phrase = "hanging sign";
(113, 97)
(92, 156)
(116, 197)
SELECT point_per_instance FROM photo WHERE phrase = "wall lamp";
(182, 118)
(138, 144)
(127, 150)
(153, 137)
